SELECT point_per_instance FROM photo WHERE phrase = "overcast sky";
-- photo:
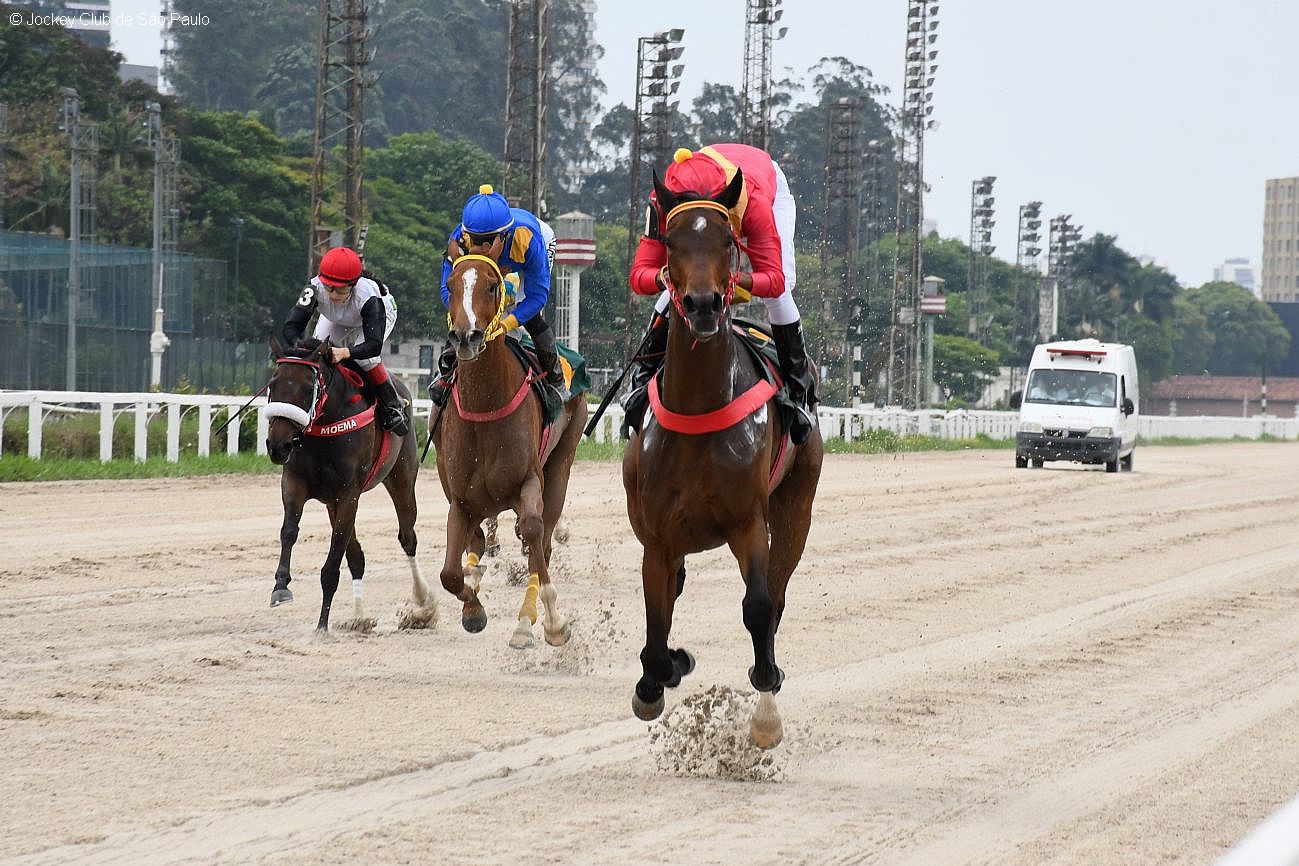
(1154, 121)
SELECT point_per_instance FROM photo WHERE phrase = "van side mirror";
(1016, 398)
(1128, 406)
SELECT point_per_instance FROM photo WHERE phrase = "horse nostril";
(717, 302)
(688, 303)
(475, 337)
(454, 337)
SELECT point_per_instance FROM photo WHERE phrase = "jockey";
(352, 303)
(764, 217)
(527, 258)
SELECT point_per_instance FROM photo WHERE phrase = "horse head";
(476, 301)
(295, 395)
(701, 246)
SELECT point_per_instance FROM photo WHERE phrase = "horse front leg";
(660, 665)
(459, 529)
(342, 517)
(294, 495)
(423, 611)
(761, 616)
(532, 529)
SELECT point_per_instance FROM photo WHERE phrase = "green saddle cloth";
(571, 364)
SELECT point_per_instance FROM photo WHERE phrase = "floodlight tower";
(658, 77)
(341, 80)
(755, 105)
(908, 259)
(526, 88)
(981, 223)
(84, 139)
(1027, 250)
(840, 222)
(1062, 238)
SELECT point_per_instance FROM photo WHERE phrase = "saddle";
(572, 366)
(756, 338)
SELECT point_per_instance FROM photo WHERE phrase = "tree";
(962, 367)
(1248, 335)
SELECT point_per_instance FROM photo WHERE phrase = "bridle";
(733, 241)
(294, 413)
(494, 328)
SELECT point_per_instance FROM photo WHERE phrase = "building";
(88, 20)
(1280, 240)
(1224, 396)
(1238, 271)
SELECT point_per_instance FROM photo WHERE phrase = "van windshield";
(1072, 388)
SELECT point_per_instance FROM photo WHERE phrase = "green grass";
(22, 468)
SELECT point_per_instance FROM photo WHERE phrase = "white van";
(1079, 404)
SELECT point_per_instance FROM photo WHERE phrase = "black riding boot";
(391, 408)
(644, 367)
(798, 378)
(440, 388)
(543, 340)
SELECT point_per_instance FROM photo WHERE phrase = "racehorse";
(333, 450)
(713, 465)
(493, 451)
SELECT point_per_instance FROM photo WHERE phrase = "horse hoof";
(474, 622)
(281, 596)
(559, 636)
(646, 712)
(522, 638)
(683, 661)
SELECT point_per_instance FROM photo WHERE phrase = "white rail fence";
(210, 411)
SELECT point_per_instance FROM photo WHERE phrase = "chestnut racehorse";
(493, 452)
(713, 465)
(333, 450)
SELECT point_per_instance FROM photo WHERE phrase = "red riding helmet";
(340, 267)
(694, 172)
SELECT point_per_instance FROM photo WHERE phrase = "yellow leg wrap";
(529, 608)
(471, 560)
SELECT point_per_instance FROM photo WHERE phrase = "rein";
(494, 328)
(732, 283)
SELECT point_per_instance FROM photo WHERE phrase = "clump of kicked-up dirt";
(707, 736)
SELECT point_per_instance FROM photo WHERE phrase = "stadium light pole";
(239, 237)
(981, 223)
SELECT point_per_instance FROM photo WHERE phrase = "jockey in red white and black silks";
(357, 313)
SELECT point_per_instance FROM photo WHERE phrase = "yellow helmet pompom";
(486, 189)
(682, 154)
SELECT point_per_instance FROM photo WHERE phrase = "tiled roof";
(1225, 388)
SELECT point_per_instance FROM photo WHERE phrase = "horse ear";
(497, 247)
(731, 195)
(667, 199)
(277, 348)
(453, 250)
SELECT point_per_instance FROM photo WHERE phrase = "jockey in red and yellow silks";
(763, 219)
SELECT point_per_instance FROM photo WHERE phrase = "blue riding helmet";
(486, 213)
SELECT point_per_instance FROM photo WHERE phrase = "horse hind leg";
(342, 517)
(533, 528)
(457, 578)
(422, 610)
(356, 565)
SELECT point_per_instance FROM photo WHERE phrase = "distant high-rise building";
(1281, 240)
(88, 20)
(1238, 271)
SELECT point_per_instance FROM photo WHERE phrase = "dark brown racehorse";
(739, 482)
(333, 450)
(492, 450)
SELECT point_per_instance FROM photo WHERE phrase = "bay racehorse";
(713, 464)
(332, 450)
(494, 451)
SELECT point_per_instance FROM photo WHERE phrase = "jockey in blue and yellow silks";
(528, 255)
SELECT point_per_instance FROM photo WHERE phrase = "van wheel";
(1111, 465)
(1125, 463)
(1037, 462)
(1021, 462)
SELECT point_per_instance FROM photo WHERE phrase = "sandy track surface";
(984, 665)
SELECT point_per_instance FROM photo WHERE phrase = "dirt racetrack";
(984, 665)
